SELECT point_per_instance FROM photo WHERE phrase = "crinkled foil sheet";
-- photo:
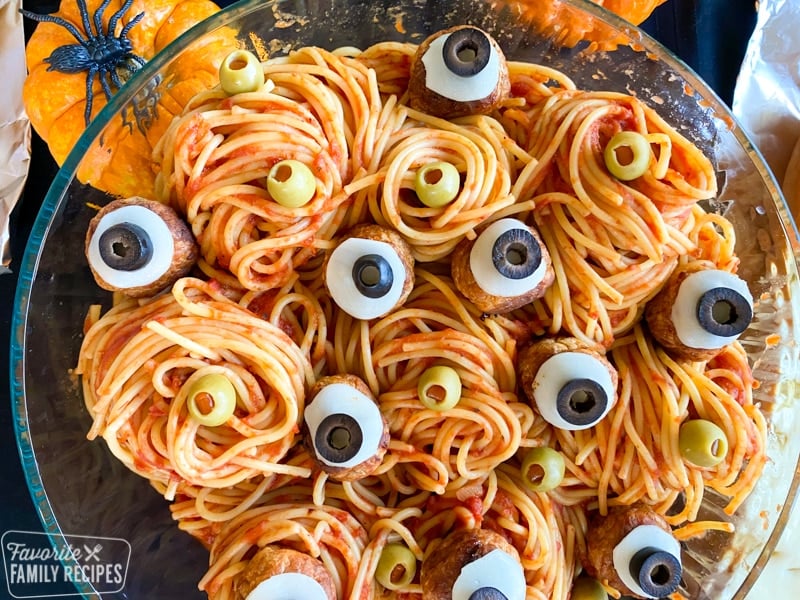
(767, 103)
(14, 124)
(767, 96)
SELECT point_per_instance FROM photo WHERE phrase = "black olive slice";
(516, 254)
(658, 572)
(724, 312)
(581, 402)
(373, 275)
(466, 51)
(125, 247)
(487, 593)
(338, 438)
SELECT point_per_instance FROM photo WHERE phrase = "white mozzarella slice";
(160, 238)
(440, 79)
(561, 368)
(486, 274)
(684, 311)
(341, 398)
(644, 536)
(342, 287)
(288, 586)
(497, 570)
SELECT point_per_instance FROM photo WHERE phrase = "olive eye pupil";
(120, 249)
(658, 572)
(724, 312)
(624, 155)
(339, 438)
(283, 173)
(716, 448)
(467, 52)
(437, 393)
(373, 275)
(397, 574)
(369, 275)
(535, 474)
(660, 575)
(516, 254)
(237, 64)
(488, 593)
(433, 176)
(125, 246)
(582, 401)
(204, 402)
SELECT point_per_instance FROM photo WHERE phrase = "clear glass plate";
(79, 488)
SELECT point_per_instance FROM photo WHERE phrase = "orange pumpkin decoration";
(567, 25)
(60, 99)
(635, 11)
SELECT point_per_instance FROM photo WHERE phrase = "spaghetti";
(262, 316)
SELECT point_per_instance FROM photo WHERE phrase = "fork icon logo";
(92, 553)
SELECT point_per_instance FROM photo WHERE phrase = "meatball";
(443, 566)
(699, 311)
(610, 533)
(345, 432)
(570, 382)
(139, 247)
(370, 272)
(458, 71)
(506, 267)
(273, 560)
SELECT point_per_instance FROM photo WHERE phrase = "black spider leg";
(90, 74)
(84, 10)
(138, 63)
(104, 82)
(129, 25)
(98, 18)
(115, 78)
(58, 21)
(112, 22)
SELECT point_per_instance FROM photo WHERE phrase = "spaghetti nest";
(287, 518)
(215, 158)
(632, 455)
(139, 361)
(613, 243)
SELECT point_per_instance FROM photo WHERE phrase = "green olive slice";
(543, 469)
(397, 567)
(211, 400)
(439, 388)
(241, 72)
(702, 443)
(635, 164)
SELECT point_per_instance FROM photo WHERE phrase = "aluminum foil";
(766, 100)
(15, 132)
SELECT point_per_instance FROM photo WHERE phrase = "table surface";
(708, 35)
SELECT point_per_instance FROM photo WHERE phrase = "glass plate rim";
(56, 193)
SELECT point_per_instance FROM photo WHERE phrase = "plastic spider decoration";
(100, 53)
